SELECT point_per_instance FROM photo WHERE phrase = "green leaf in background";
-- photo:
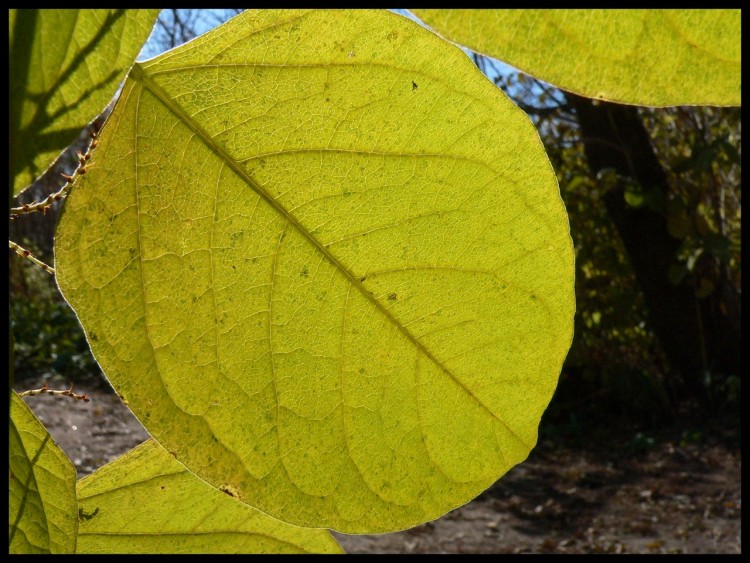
(146, 502)
(643, 57)
(65, 66)
(327, 264)
(42, 497)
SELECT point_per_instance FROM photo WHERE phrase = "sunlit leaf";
(146, 502)
(327, 264)
(42, 498)
(65, 66)
(644, 57)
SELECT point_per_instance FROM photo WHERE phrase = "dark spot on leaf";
(363, 278)
(392, 297)
(83, 516)
(414, 86)
(229, 490)
(304, 273)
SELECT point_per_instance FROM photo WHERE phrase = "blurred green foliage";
(615, 357)
(700, 149)
(616, 364)
(48, 339)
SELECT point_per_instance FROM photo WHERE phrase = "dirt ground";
(675, 492)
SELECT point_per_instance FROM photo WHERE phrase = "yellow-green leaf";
(327, 264)
(42, 496)
(643, 57)
(146, 502)
(65, 66)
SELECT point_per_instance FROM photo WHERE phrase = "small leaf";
(42, 499)
(643, 57)
(692, 259)
(634, 194)
(146, 502)
(65, 66)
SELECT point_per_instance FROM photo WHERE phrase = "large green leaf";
(65, 66)
(146, 502)
(644, 57)
(327, 264)
(42, 513)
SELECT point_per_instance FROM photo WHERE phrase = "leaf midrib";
(138, 74)
(32, 477)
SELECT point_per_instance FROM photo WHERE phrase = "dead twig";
(47, 390)
(22, 252)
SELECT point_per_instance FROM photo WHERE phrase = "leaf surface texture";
(642, 57)
(65, 67)
(326, 262)
(146, 502)
(41, 498)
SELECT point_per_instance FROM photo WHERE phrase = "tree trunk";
(696, 335)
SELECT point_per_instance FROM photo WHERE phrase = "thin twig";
(48, 391)
(21, 251)
(44, 204)
(62, 192)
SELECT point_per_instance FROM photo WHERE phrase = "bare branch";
(23, 253)
(48, 391)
